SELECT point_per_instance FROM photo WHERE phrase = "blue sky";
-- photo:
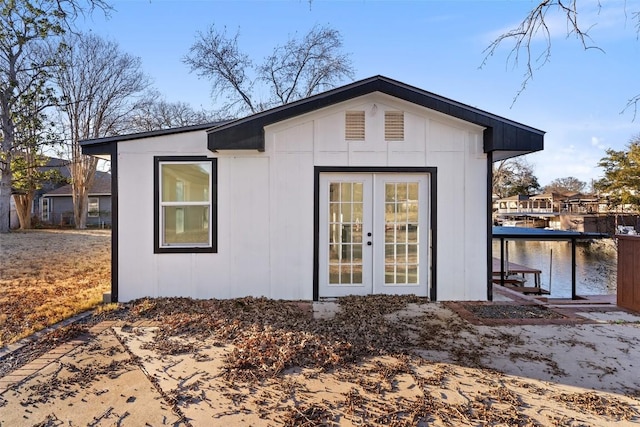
(577, 98)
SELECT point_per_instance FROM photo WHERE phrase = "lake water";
(596, 265)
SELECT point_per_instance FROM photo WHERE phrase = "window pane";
(94, 207)
(186, 225)
(345, 191)
(186, 182)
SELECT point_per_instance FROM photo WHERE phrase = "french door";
(373, 234)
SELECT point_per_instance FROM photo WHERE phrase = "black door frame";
(433, 184)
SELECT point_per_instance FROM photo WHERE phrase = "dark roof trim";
(102, 145)
(500, 134)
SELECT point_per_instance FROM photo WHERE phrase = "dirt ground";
(49, 275)
(358, 361)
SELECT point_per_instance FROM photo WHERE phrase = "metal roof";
(525, 233)
(505, 137)
(103, 145)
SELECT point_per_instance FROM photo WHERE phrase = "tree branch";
(533, 26)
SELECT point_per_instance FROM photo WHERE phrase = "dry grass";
(49, 275)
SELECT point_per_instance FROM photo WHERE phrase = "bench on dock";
(508, 281)
(515, 277)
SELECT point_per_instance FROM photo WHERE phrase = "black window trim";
(157, 248)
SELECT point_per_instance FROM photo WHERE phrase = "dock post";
(502, 261)
(573, 269)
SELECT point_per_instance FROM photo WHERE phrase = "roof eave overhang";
(503, 137)
(102, 147)
(103, 150)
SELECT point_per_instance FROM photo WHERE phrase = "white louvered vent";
(354, 126)
(394, 125)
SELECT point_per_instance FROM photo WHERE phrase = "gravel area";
(509, 311)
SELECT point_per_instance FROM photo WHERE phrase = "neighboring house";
(573, 211)
(53, 163)
(56, 207)
(550, 203)
(374, 187)
(511, 204)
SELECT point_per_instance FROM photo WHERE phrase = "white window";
(44, 209)
(93, 210)
(185, 204)
(354, 126)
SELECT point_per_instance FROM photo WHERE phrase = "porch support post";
(489, 226)
(502, 261)
(573, 269)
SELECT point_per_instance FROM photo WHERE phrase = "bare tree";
(293, 71)
(99, 88)
(301, 68)
(155, 113)
(537, 24)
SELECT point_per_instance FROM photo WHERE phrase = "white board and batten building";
(374, 187)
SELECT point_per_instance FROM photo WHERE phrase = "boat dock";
(516, 276)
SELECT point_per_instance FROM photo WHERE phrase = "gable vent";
(354, 126)
(394, 125)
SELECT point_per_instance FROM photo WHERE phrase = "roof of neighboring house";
(580, 197)
(60, 164)
(517, 197)
(101, 186)
(52, 163)
(500, 135)
(552, 196)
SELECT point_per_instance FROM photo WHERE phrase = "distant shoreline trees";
(513, 177)
(566, 185)
(621, 181)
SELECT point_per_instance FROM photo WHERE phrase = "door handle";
(369, 243)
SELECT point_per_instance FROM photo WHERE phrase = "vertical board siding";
(266, 203)
(249, 222)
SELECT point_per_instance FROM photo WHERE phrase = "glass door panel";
(344, 255)
(401, 232)
(402, 253)
(345, 233)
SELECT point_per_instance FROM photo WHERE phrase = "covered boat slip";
(505, 234)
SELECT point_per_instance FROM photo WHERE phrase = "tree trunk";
(80, 206)
(5, 197)
(6, 155)
(23, 208)
(83, 172)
